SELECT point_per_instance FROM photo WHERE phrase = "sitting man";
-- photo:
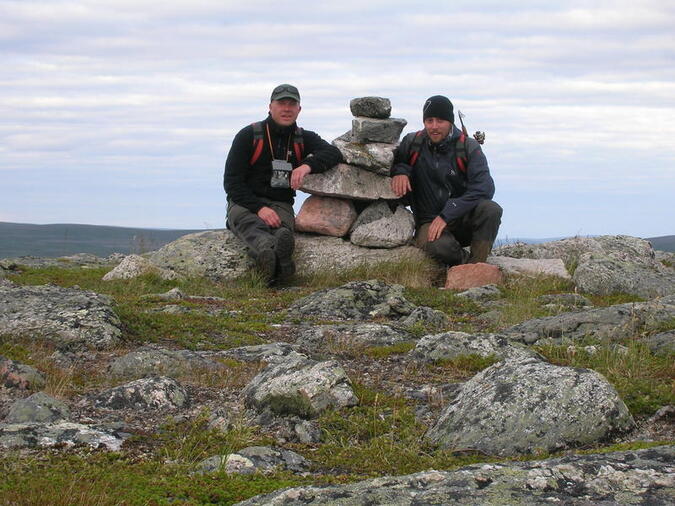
(450, 188)
(267, 162)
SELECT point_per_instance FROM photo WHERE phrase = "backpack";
(258, 142)
(460, 150)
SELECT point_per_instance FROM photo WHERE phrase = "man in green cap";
(267, 162)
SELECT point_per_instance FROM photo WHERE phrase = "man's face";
(437, 129)
(284, 112)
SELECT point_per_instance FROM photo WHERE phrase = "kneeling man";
(447, 180)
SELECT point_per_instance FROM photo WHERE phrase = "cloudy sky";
(121, 112)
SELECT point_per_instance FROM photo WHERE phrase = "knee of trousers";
(488, 210)
(445, 250)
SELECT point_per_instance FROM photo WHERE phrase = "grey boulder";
(38, 408)
(378, 227)
(527, 406)
(605, 264)
(357, 300)
(450, 345)
(628, 477)
(36, 435)
(157, 393)
(135, 265)
(531, 267)
(256, 459)
(350, 182)
(300, 387)
(71, 318)
(335, 338)
(377, 130)
(370, 107)
(376, 157)
(614, 322)
(157, 361)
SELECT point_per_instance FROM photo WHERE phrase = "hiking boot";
(266, 260)
(479, 251)
(284, 250)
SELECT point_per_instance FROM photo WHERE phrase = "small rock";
(157, 393)
(428, 317)
(370, 107)
(38, 408)
(463, 277)
(16, 375)
(134, 265)
(481, 293)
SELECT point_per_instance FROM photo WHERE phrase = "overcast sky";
(121, 112)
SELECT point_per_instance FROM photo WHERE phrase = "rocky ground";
(458, 373)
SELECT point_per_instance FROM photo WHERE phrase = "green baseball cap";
(285, 91)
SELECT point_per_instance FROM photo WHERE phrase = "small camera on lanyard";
(281, 174)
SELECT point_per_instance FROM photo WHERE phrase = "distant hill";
(664, 243)
(21, 239)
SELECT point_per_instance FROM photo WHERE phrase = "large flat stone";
(350, 182)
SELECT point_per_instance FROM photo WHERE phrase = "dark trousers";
(478, 226)
(253, 231)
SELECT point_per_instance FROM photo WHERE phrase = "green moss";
(380, 352)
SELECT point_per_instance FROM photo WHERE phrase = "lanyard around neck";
(269, 140)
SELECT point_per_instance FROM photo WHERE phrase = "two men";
(448, 182)
(267, 162)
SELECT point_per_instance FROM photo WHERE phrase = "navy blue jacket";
(244, 184)
(439, 188)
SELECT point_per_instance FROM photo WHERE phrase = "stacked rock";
(355, 198)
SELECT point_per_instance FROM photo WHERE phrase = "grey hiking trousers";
(253, 231)
(479, 225)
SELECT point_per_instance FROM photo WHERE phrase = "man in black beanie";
(447, 181)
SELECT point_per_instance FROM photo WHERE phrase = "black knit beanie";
(440, 107)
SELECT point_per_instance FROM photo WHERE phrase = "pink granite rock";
(326, 216)
(463, 277)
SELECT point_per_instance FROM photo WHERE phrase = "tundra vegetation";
(382, 435)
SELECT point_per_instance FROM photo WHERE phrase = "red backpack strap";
(298, 144)
(460, 151)
(415, 147)
(257, 142)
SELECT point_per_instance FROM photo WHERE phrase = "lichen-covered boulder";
(614, 322)
(16, 375)
(149, 361)
(481, 293)
(450, 345)
(605, 264)
(214, 254)
(662, 343)
(377, 130)
(628, 477)
(69, 317)
(427, 317)
(272, 352)
(527, 406)
(135, 265)
(36, 435)
(38, 408)
(300, 387)
(357, 300)
(256, 459)
(157, 393)
(378, 227)
(333, 338)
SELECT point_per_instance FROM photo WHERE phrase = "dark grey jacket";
(439, 188)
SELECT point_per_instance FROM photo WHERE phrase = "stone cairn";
(355, 198)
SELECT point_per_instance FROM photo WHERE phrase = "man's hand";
(436, 228)
(400, 184)
(270, 217)
(299, 174)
